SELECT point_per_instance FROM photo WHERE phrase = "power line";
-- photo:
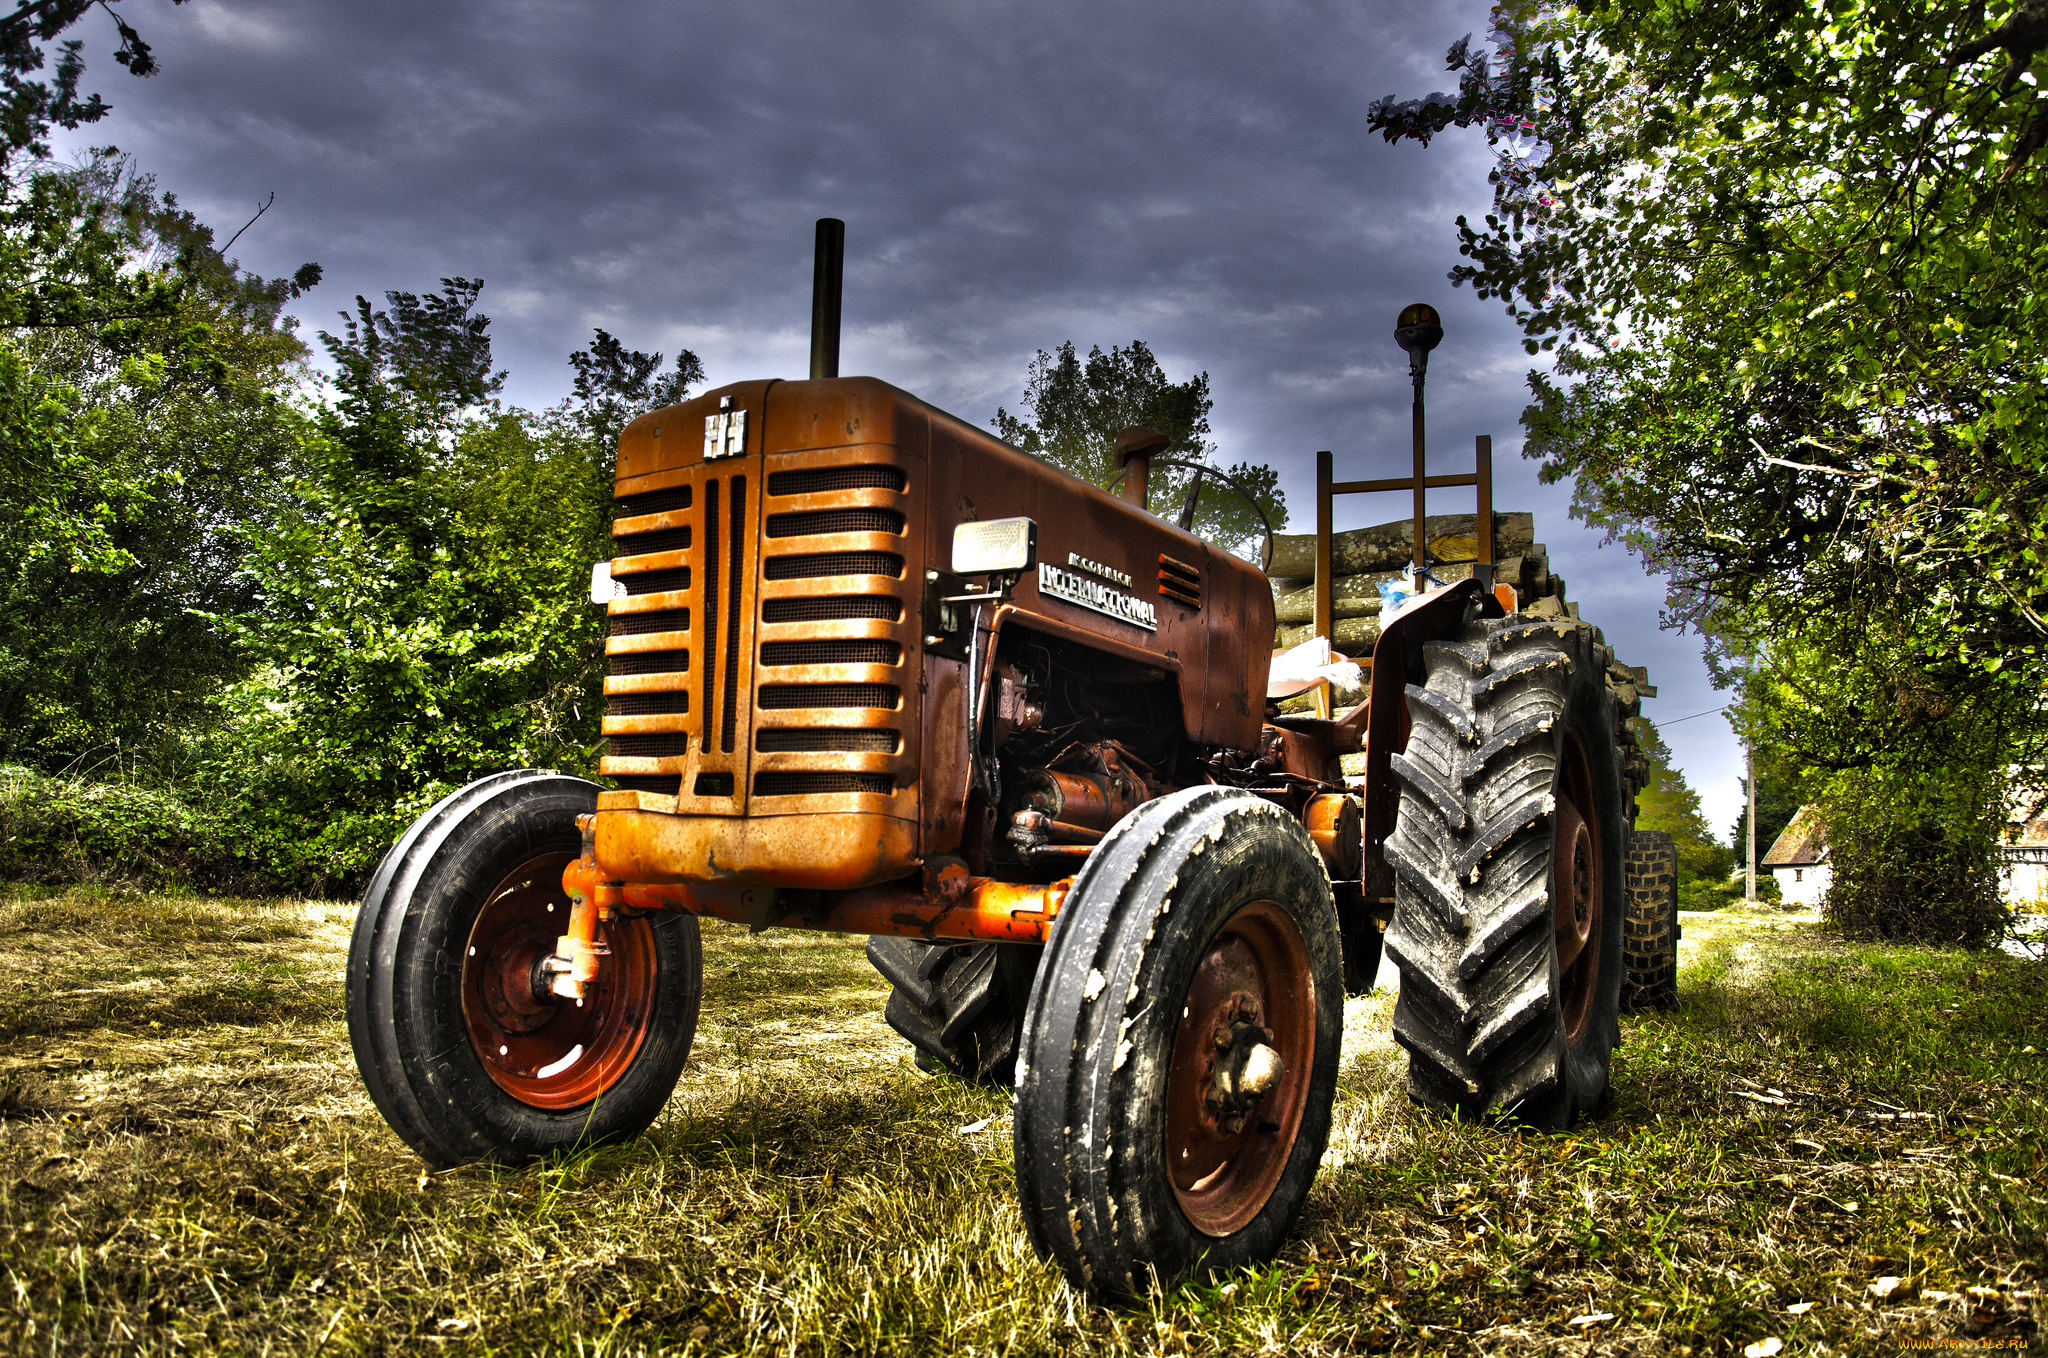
(1674, 721)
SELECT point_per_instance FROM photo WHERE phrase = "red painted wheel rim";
(1576, 891)
(1256, 971)
(547, 1052)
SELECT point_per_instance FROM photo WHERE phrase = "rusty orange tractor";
(871, 670)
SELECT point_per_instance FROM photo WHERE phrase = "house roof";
(1803, 843)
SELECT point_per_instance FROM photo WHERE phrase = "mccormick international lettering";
(1079, 589)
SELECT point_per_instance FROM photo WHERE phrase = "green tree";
(1788, 251)
(1669, 804)
(614, 384)
(423, 615)
(1912, 837)
(31, 107)
(1076, 409)
(1913, 858)
(143, 422)
(167, 434)
(68, 261)
(1785, 257)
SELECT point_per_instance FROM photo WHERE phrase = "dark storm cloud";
(1195, 175)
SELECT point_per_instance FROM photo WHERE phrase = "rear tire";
(466, 1059)
(1362, 928)
(1199, 935)
(1651, 942)
(1509, 853)
(961, 1005)
(1361, 959)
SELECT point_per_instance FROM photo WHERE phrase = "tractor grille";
(813, 784)
(786, 697)
(1180, 581)
(828, 738)
(817, 480)
(817, 565)
(650, 662)
(657, 582)
(824, 521)
(831, 610)
(646, 704)
(650, 747)
(806, 740)
(726, 685)
(689, 711)
(670, 501)
(641, 624)
(663, 783)
(646, 544)
(655, 698)
(831, 653)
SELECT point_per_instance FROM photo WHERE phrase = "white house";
(2024, 871)
(1799, 860)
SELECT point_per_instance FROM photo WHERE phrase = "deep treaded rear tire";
(961, 1006)
(1651, 929)
(1513, 744)
(1199, 909)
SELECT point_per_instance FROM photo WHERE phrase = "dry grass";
(189, 1164)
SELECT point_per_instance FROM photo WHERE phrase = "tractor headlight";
(995, 546)
(604, 589)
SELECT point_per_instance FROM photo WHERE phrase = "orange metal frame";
(956, 908)
(1328, 488)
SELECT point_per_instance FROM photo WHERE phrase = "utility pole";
(1749, 761)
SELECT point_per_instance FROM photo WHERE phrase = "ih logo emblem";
(725, 434)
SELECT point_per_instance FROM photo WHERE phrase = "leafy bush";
(1718, 893)
(1708, 893)
(424, 612)
(56, 830)
(1931, 879)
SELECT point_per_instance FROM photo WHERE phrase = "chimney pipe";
(826, 275)
(1134, 449)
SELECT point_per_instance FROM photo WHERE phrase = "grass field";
(1839, 1149)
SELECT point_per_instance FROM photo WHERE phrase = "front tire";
(464, 1053)
(1509, 850)
(1181, 1046)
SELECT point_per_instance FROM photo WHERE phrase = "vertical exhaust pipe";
(826, 276)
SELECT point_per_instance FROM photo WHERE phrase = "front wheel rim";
(1253, 983)
(551, 1053)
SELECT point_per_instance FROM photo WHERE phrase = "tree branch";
(223, 250)
(2024, 33)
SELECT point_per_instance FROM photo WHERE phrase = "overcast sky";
(1196, 175)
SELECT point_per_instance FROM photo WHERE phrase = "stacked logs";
(1365, 558)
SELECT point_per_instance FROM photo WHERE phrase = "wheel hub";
(543, 1050)
(1572, 878)
(510, 979)
(1237, 1077)
(1244, 1071)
